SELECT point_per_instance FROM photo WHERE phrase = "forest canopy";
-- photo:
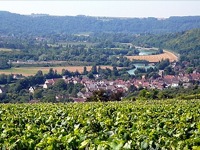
(46, 25)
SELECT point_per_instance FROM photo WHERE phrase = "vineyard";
(169, 124)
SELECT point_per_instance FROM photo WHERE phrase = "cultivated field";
(27, 71)
(5, 50)
(8, 50)
(156, 58)
(112, 126)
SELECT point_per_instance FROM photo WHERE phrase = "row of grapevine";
(169, 124)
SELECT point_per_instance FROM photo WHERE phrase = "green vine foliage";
(169, 124)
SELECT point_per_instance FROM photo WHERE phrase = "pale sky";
(111, 8)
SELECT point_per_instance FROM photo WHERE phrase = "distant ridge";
(44, 24)
(39, 15)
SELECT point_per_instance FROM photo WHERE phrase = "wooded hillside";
(45, 24)
(185, 43)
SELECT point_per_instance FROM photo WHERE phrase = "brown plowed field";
(156, 58)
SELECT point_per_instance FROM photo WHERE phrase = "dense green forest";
(184, 43)
(46, 25)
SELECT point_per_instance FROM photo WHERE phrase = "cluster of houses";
(160, 83)
(89, 86)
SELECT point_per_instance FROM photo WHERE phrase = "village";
(160, 83)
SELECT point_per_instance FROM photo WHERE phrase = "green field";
(169, 124)
(28, 71)
(25, 71)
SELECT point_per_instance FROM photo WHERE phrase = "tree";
(39, 73)
(66, 73)
(169, 71)
(76, 73)
(9, 78)
(99, 70)
(154, 94)
(50, 98)
(160, 51)
(60, 85)
(38, 94)
(189, 70)
(85, 70)
(132, 88)
(39, 78)
(43, 57)
(116, 96)
(162, 95)
(55, 74)
(94, 69)
(3, 79)
(143, 93)
(50, 74)
(4, 63)
(99, 96)
(21, 84)
(90, 75)
(163, 64)
(115, 71)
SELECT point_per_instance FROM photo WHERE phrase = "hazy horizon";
(96, 16)
(125, 9)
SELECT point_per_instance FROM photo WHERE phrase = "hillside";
(44, 24)
(185, 43)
